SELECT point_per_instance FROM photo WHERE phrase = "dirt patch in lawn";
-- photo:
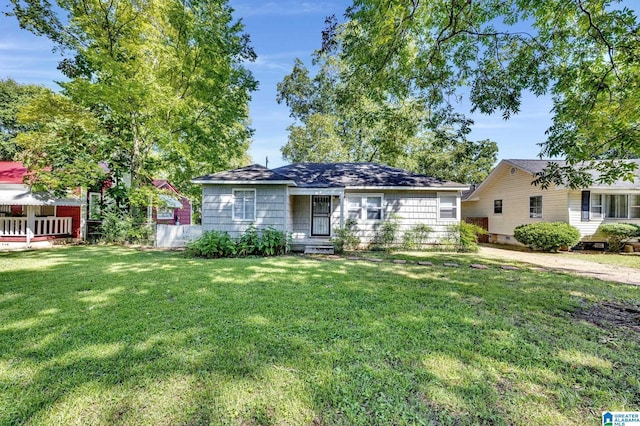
(612, 314)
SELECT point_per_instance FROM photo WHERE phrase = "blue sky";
(280, 32)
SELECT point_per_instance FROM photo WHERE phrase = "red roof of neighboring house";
(12, 172)
(163, 183)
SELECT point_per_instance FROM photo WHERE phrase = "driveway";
(563, 262)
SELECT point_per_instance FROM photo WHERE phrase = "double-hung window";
(634, 206)
(497, 206)
(354, 207)
(95, 212)
(244, 204)
(535, 206)
(447, 206)
(374, 207)
(596, 206)
(364, 207)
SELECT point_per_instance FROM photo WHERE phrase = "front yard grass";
(614, 259)
(109, 335)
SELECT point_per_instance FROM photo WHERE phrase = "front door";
(320, 215)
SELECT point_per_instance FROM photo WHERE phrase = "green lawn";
(106, 335)
(614, 259)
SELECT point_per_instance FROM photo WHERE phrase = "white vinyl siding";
(514, 190)
(589, 229)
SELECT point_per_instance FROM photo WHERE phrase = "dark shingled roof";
(331, 175)
(253, 172)
(340, 175)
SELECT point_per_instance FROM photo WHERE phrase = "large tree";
(337, 119)
(13, 96)
(584, 53)
(164, 78)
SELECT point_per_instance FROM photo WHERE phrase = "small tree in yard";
(547, 236)
(618, 234)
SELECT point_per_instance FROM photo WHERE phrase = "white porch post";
(31, 223)
(341, 210)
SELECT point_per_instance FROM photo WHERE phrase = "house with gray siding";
(507, 198)
(310, 201)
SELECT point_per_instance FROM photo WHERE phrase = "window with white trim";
(95, 211)
(596, 206)
(535, 206)
(244, 204)
(374, 207)
(365, 207)
(165, 213)
(447, 206)
(354, 208)
(615, 206)
(634, 206)
(497, 206)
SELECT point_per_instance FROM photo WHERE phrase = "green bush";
(416, 237)
(119, 228)
(249, 242)
(387, 234)
(464, 236)
(346, 238)
(212, 244)
(618, 234)
(272, 242)
(547, 236)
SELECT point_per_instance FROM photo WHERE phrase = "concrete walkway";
(563, 262)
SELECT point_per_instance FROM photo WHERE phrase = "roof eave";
(243, 182)
(408, 188)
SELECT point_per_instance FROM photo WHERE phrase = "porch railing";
(17, 226)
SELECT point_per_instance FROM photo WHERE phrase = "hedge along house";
(507, 198)
(310, 200)
(30, 218)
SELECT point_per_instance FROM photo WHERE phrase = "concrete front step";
(318, 249)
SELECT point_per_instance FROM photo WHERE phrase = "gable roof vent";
(512, 171)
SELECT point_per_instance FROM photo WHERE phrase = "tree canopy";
(160, 84)
(338, 119)
(585, 54)
(13, 96)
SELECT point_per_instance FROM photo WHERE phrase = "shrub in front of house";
(464, 236)
(346, 238)
(416, 237)
(214, 244)
(547, 236)
(618, 234)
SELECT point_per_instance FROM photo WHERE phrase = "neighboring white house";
(507, 199)
(311, 200)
